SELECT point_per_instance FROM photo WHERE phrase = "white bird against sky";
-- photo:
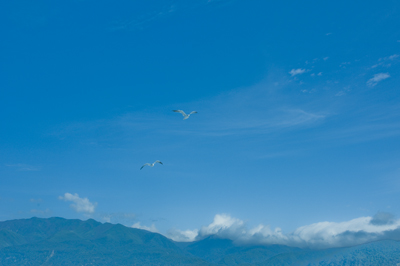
(151, 164)
(185, 116)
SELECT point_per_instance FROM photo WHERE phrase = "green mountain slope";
(10, 238)
(225, 252)
(58, 241)
(372, 254)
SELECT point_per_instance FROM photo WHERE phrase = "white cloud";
(317, 235)
(79, 204)
(331, 234)
(183, 236)
(298, 71)
(152, 228)
(221, 223)
(223, 226)
(377, 78)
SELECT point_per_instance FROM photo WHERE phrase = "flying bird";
(185, 116)
(150, 164)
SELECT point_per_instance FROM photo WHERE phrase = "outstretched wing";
(145, 165)
(193, 112)
(158, 162)
(180, 111)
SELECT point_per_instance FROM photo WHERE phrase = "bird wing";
(158, 162)
(180, 111)
(145, 165)
(193, 112)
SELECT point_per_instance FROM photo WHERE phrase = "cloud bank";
(79, 204)
(317, 236)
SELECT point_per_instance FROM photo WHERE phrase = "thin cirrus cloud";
(377, 78)
(392, 57)
(23, 167)
(386, 61)
(38, 201)
(142, 21)
(152, 228)
(41, 212)
(317, 236)
(259, 109)
(79, 204)
(118, 217)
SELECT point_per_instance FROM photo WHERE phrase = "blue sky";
(297, 128)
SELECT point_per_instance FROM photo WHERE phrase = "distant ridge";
(59, 241)
(76, 242)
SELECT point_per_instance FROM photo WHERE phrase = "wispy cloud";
(36, 200)
(344, 64)
(377, 78)
(23, 167)
(79, 204)
(259, 109)
(118, 217)
(392, 57)
(343, 91)
(45, 212)
(386, 61)
(219, 1)
(366, 131)
(318, 235)
(152, 228)
(162, 12)
(141, 22)
(298, 71)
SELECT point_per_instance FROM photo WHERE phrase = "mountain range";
(59, 241)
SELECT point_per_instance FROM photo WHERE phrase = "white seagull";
(150, 164)
(185, 116)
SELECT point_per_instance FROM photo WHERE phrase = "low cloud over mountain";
(382, 226)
